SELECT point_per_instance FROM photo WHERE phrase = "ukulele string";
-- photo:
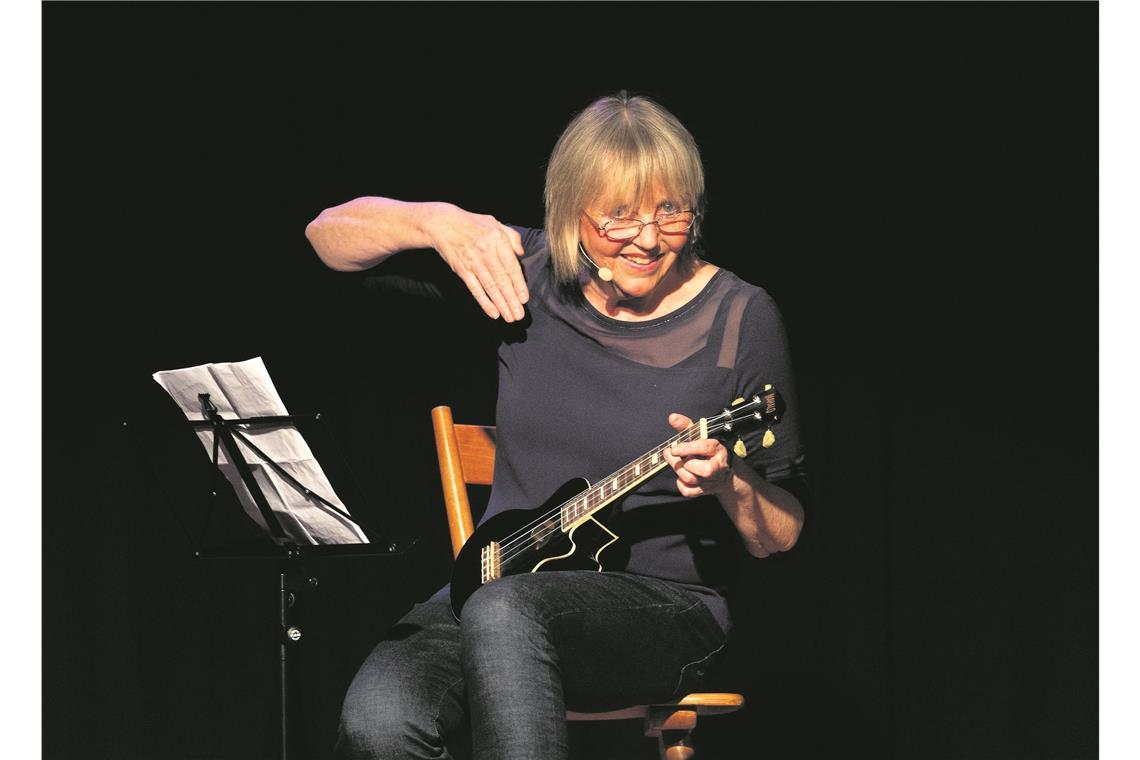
(509, 545)
(511, 548)
(539, 536)
(510, 542)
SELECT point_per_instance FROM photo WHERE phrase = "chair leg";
(676, 745)
(672, 726)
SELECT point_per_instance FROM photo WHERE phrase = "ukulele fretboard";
(624, 480)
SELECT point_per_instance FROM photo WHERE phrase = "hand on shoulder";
(484, 253)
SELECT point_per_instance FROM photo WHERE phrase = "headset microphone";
(604, 273)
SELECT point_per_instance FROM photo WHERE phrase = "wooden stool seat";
(467, 456)
(701, 703)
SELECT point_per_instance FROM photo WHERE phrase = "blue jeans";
(530, 647)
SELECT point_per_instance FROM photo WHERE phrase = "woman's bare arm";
(482, 251)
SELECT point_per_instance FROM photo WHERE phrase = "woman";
(614, 333)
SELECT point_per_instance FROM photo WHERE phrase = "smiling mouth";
(640, 260)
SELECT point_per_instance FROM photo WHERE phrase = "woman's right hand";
(485, 254)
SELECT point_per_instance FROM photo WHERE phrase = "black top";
(582, 395)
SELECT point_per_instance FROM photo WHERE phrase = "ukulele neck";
(629, 477)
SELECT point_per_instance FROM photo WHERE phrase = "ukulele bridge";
(490, 564)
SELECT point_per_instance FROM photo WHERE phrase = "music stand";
(290, 555)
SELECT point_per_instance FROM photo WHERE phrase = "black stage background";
(915, 184)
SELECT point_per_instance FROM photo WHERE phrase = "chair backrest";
(466, 456)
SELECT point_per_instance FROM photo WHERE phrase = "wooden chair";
(467, 456)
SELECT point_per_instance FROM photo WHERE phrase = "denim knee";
(501, 607)
(377, 725)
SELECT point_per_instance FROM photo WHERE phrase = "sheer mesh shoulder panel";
(702, 333)
(730, 338)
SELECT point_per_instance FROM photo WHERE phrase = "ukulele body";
(530, 540)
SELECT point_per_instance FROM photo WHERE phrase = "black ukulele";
(549, 537)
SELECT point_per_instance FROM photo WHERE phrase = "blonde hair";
(615, 152)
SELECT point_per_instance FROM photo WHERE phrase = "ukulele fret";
(605, 491)
(608, 489)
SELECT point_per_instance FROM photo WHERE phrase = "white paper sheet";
(243, 390)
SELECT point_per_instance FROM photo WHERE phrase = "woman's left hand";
(702, 467)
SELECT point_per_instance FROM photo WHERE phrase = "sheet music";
(243, 390)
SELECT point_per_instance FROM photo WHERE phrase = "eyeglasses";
(676, 223)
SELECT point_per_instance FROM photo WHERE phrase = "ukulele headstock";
(765, 408)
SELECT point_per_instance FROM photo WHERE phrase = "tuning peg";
(769, 439)
(738, 401)
(739, 448)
